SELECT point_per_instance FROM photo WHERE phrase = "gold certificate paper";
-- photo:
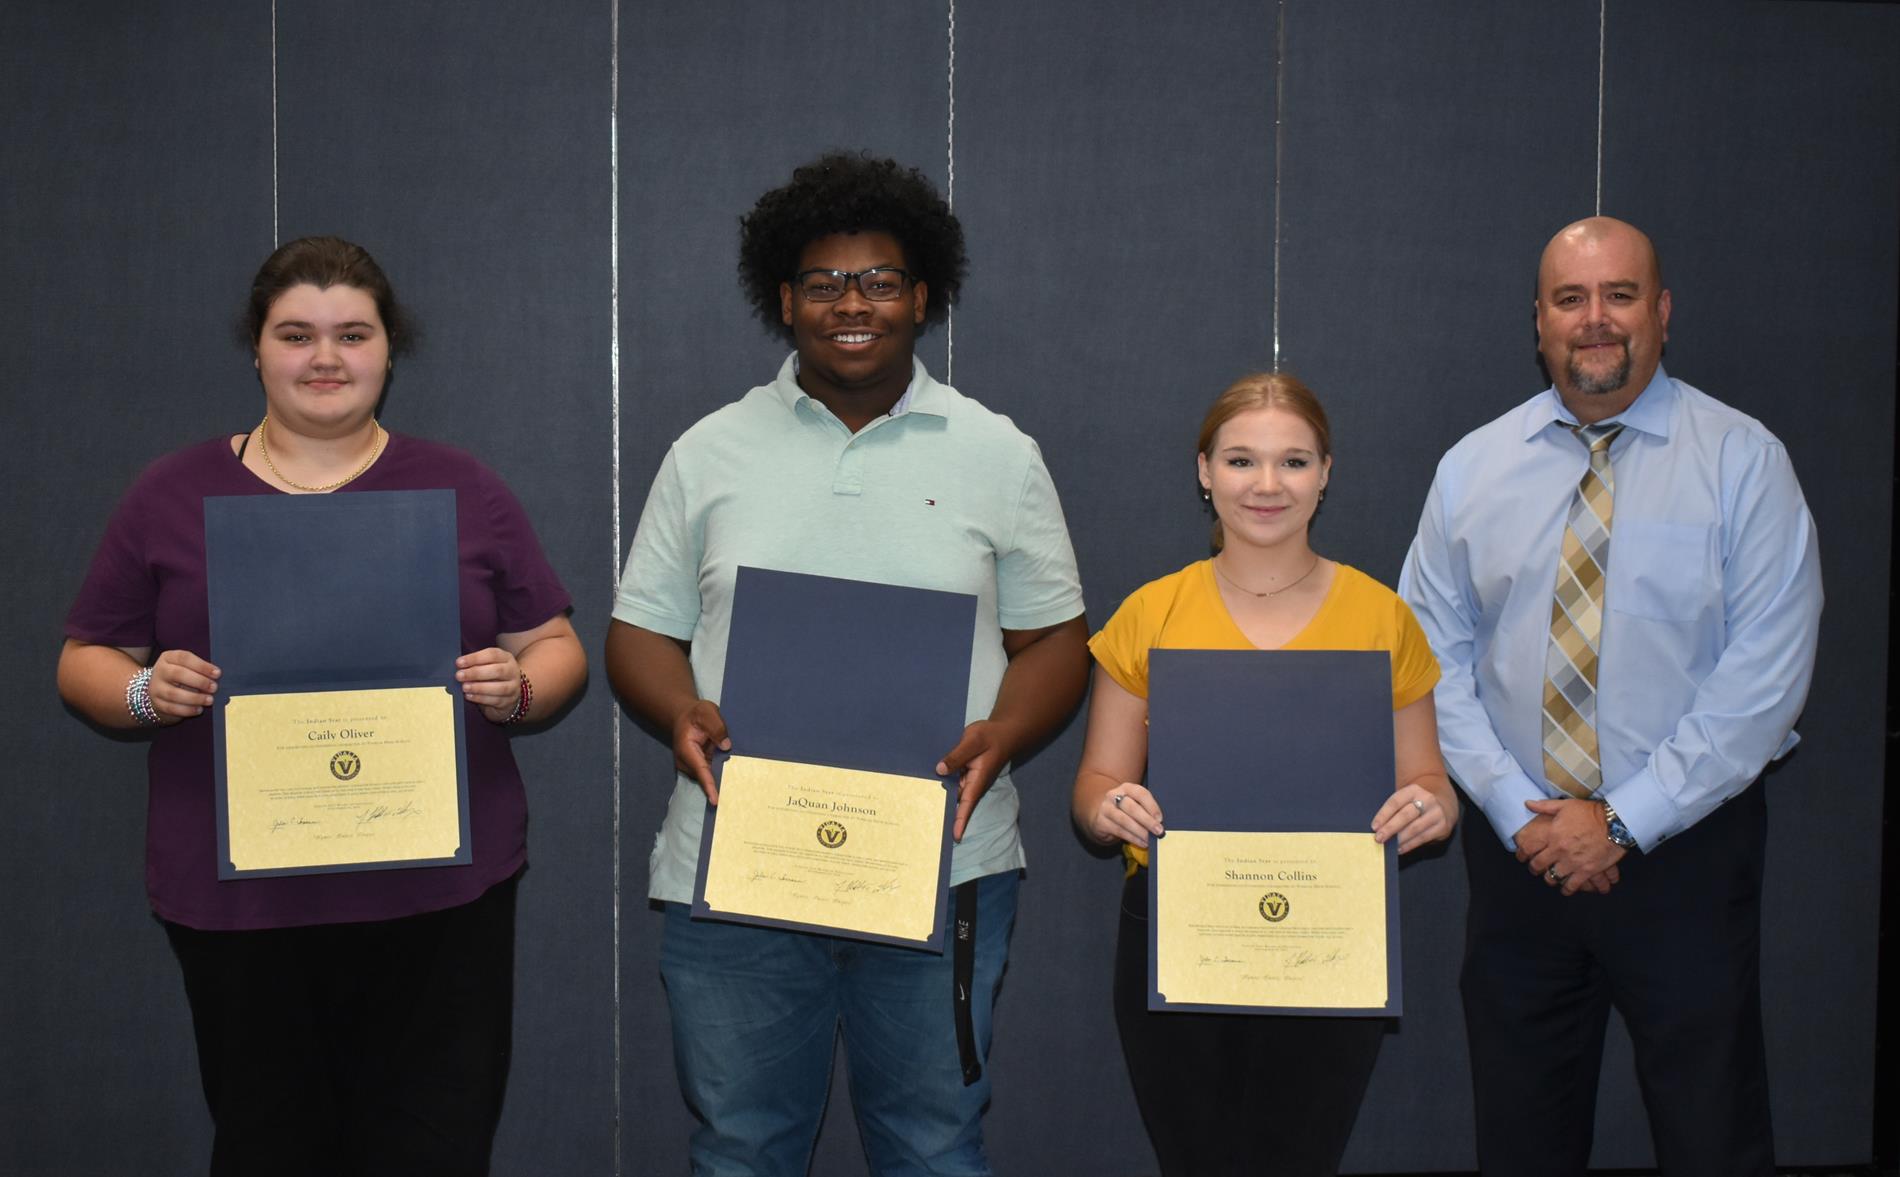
(1266, 920)
(827, 847)
(335, 778)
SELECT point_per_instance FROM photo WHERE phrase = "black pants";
(366, 1049)
(1675, 947)
(1225, 1095)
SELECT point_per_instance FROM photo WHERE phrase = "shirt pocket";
(1663, 571)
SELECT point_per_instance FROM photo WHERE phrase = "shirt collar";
(921, 395)
(1649, 413)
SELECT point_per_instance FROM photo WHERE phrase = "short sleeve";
(1414, 666)
(1121, 647)
(659, 589)
(117, 603)
(1037, 583)
(527, 591)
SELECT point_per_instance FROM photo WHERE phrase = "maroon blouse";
(146, 587)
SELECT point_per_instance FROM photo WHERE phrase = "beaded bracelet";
(138, 699)
(521, 706)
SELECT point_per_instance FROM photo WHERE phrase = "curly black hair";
(846, 192)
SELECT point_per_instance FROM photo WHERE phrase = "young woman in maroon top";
(363, 1015)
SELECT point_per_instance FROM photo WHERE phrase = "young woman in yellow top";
(1220, 1093)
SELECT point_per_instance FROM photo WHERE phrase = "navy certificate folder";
(333, 592)
(1275, 741)
(848, 674)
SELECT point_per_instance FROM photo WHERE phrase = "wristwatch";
(1619, 833)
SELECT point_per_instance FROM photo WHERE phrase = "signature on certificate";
(1303, 958)
(375, 813)
(285, 823)
(888, 886)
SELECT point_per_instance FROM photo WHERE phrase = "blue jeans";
(756, 1012)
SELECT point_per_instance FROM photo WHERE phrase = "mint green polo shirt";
(944, 494)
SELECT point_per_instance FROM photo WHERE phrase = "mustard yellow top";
(1184, 611)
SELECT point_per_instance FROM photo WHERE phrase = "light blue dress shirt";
(1710, 611)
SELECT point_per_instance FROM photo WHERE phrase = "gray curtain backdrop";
(1158, 198)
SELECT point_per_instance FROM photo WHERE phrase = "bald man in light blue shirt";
(1644, 892)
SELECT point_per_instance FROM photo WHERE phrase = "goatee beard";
(1610, 381)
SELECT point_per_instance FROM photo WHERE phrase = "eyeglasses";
(879, 284)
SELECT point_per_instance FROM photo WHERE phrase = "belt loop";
(964, 963)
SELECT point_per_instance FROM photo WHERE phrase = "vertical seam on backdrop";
(274, 232)
(613, 479)
(1279, 152)
(950, 197)
(1603, 21)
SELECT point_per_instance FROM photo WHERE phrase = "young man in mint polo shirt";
(852, 463)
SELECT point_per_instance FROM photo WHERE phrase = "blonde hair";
(1264, 390)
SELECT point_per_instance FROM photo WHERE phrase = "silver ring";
(1551, 875)
(1419, 805)
(1117, 799)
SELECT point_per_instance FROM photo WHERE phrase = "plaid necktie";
(1576, 625)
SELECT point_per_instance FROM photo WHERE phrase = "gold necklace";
(375, 451)
(1269, 592)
